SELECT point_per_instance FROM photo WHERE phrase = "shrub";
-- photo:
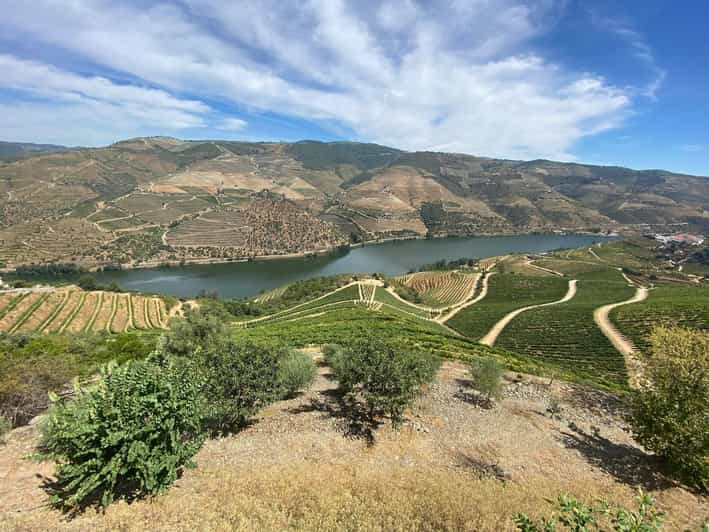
(196, 332)
(129, 435)
(240, 377)
(579, 517)
(296, 372)
(333, 355)
(487, 375)
(379, 379)
(670, 410)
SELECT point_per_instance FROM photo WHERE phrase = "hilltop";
(146, 201)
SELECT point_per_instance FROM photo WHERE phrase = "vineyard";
(565, 335)
(72, 310)
(684, 306)
(505, 294)
(441, 288)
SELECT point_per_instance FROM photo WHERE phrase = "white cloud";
(640, 49)
(446, 75)
(232, 124)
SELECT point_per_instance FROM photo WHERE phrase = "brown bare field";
(140, 320)
(162, 312)
(65, 312)
(9, 320)
(97, 308)
(104, 315)
(43, 313)
(83, 316)
(120, 320)
(5, 299)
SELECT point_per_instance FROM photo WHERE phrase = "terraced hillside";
(665, 305)
(335, 192)
(441, 288)
(566, 336)
(74, 310)
(506, 293)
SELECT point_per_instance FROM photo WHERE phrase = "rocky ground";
(510, 457)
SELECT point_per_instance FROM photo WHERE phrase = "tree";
(240, 377)
(380, 379)
(670, 409)
(196, 332)
(87, 282)
(487, 377)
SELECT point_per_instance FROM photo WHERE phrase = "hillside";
(17, 150)
(151, 200)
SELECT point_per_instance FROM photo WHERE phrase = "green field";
(687, 306)
(565, 335)
(506, 292)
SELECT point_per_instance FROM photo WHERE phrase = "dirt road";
(491, 337)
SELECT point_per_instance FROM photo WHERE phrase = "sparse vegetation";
(487, 378)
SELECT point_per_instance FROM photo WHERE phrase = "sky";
(595, 81)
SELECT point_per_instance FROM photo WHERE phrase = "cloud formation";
(454, 76)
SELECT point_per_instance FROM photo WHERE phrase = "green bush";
(487, 377)
(332, 353)
(296, 372)
(195, 333)
(670, 410)
(579, 517)
(240, 377)
(129, 435)
(380, 379)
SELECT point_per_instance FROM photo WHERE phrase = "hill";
(145, 201)
(17, 150)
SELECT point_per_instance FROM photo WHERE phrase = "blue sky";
(602, 81)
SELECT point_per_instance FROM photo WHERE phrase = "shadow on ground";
(626, 463)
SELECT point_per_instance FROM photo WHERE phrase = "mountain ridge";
(145, 199)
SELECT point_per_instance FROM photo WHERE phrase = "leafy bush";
(129, 435)
(240, 377)
(296, 372)
(579, 517)
(487, 375)
(379, 379)
(670, 410)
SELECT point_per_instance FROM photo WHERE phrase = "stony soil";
(585, 449)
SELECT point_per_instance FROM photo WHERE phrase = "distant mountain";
(16, 150)
(156, 199)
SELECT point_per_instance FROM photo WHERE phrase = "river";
(245, 279)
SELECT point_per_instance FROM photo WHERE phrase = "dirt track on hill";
(491, 337)
(620, 342)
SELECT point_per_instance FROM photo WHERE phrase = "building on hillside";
(681, 238)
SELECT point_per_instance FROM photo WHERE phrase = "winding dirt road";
(491, 337)
(620, 342)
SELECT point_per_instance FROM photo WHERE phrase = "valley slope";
(147, 201)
